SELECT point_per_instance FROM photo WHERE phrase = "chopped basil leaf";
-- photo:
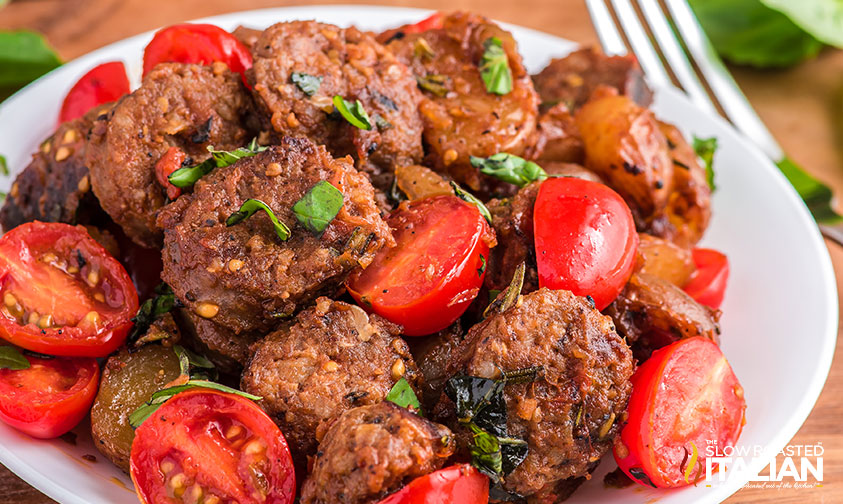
(482, 268)
(509, 168)
(705, 148)
(422, 49)
(470, 198)
(436, 84)
(188, 361)
(354, 113)
(24, 56)
(509, 297)
(249, 207)
(382, 123)
(137, 417)
(151, 310)
(318, 206)
(11, 358)
(186, 177)
(4, 167)
(494, 67)
(403, 395)
(309, 84)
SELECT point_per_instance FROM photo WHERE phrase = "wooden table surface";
(803, 106)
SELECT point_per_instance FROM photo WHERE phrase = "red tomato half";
(434, 272)
(203, 443)
(707, 284)
(585, 238)
(432, 22)
(103, 84)
(63, 294)
(197, 43)
(461, 484)
(683, 397)
(50, 397)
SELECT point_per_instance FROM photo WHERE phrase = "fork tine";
(675, 56)
(610, 38)
(734, 103)
(641, 45)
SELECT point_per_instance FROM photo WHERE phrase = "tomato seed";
(93, 277)
(207, 310)
(167, 466)
(45, 321)
(254, 447)
(99, 296)
(234, 265)
(211, 499)
(49, 258)
(330, 366)
(73, 270)
(195, 492)
(9, 299)
(33, 318)
(398, 369)
(233, 431)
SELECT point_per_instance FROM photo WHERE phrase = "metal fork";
(723, 87)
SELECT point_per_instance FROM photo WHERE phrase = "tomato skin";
(191, 430)
(461, 484)
(171, 161)
(50, 397)
(25, 275)
(663, 386)
(585, 239)
(197, 43)
(102, 84)
(433, 22)
(707, 284)
(435, 270)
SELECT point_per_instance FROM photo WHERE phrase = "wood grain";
(803, 107)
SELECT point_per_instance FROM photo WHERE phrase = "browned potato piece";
(664, 259)
(624, 145)
(557, 138)
(651, 313)
(128, 380)
(419, 182)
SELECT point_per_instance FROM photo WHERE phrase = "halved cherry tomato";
(461, 484)
(585, 238)
(707, 284)
(102, 84)
(63, 294)
(50, 397)
(683, 397)
(197, 43)
(433, 22)
(169, 162)
(203, 443)
(434, 272)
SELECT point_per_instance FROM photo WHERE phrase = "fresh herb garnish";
(504, 300)
(4, 167)
(249, 207)
(354, 113)
(193, 365)
(11, 358)
(24, 56)
(186, 177)
(403, 395)
(309, 84)
(509, 168)
(382, 123)
(494, 67)
(470, 198)
(481, 408)
(705, 148)
(137, 417)
(482, 268)
(422, 49)
(151, 310)
(434, 83)
(318, 206)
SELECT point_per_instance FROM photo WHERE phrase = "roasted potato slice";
(664, 259)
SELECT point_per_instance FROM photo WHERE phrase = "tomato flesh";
(102, 84)
(435, 270)
(684, 397)
(50, 397)
(460, 483)
(171, 161)
(707, 284)
(203, 443)
(197, 43)
(585, 238)
(63, 294)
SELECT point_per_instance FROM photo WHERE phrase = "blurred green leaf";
(24, 56)
(816, 195)
(823, 19)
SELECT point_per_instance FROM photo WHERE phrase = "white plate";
(780, 313)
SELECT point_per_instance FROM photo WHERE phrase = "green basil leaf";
(403, 395)
(422, 49)
(705, 148)
(509, 168)
(354, 113)
(486, 453)
(24, 56)
(151, 310)
(186, 177)
(11, 358)
(482, 268)
(318, 206)
(816, 195)
(137, 417)
(494, 67)
(470, 198)
(823, 19)
(190, 361)
(249, 207)
(433, 83)
(4, 167)
(309, 84)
